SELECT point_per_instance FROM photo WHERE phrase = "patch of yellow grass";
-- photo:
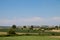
(55, 30)
(3, 33)
(26, 33)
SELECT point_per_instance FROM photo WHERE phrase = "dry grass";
(55, 30)
(3, 33)
(26, 33)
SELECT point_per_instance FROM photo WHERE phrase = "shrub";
(12, 30)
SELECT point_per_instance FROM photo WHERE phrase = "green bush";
(12, 30)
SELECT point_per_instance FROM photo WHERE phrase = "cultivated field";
(30, 38)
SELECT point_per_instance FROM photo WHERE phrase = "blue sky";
(29, 12)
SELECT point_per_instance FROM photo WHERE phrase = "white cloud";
(20, 20)
(56, 18)
(33, 20)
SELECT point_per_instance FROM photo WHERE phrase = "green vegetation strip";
(29, 38)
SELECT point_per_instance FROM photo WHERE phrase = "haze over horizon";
(29, 12)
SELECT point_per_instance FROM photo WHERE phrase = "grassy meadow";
(31, 38)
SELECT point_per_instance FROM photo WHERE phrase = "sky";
(29, 12)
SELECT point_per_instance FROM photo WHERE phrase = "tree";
(12, 30)
(56, 27)
(24, 26)
(14, 26)
(31, 27)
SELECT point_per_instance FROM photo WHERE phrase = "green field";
(30, 38)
